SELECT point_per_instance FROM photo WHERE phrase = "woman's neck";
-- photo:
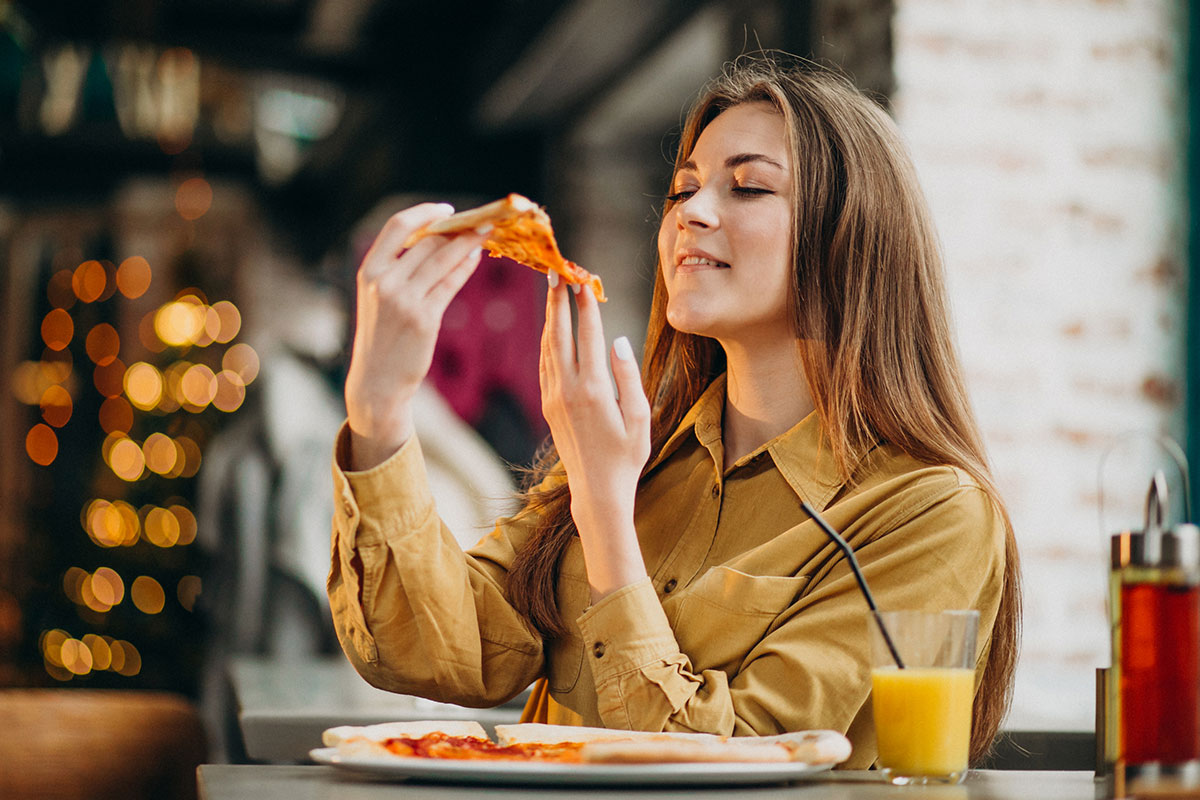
(766, 394)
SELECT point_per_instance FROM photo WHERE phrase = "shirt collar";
(803, 454)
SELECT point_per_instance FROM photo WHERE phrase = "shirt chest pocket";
(724, 614)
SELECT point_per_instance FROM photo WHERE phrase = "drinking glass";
(923, 710)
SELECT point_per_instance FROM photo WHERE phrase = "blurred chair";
(82, 744)
(1043, 750)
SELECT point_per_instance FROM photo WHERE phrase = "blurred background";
(187, 187)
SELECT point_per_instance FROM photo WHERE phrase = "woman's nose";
(699, 210)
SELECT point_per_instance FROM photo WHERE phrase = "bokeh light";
(101, 651)
(231, 391)
(180, 322)
(59, 291)
(111, 524)
(242, 360)
(56, 365)
(51, 645)
(130, 660)
(143, 385)
(104, 523)
(162, 528)
(72, 579)
(161, 453)
(102, 344)
(126, 460)
(56, 406)
(116, 415)
(133, 277)
(110, 378)
(147, 595)
(198, 387)
(41, 444)
(188, 591)
(191, 456)
(57, 329)
(230, 321)
(107, 587)
(76, 657)
(89, 281)
(187, 523)
(193, 198)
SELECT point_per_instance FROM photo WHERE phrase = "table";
(283, 706)
(230, 782)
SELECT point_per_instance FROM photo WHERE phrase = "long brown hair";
(869, 309)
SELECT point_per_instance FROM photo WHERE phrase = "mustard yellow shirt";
(750, 622)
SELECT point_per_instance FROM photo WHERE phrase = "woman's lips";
(698, 263)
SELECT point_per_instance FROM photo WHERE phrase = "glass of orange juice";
(923, 709)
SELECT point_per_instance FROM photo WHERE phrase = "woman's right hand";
(402, 295)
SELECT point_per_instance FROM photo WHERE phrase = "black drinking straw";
(862, 582)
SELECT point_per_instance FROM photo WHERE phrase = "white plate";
(550, 774)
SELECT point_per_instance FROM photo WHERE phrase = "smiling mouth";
(698, 263)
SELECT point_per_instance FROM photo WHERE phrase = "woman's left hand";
(603, 440)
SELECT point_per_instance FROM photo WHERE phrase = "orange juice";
(923, 719)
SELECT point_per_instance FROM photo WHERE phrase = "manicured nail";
(552, 277)
(449, 209)
(484, 229)
(623, 348)
(575, 287)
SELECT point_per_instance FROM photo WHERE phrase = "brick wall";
(1047, 136)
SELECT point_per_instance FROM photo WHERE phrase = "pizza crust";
(494, 212)
(333, 737)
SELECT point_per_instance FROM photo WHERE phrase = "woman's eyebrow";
(746, 158)
(735, 161)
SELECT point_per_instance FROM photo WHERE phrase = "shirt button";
(716, 491)
(670, 586)
(598, 649)
(348, 507)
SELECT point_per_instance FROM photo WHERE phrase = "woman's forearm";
(610, 549)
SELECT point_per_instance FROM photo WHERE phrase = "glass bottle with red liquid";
(1155, 585)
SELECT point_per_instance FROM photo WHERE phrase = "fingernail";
(623, 348)
(484, 229)
(449, 209)
(552, 277)
(575, 287)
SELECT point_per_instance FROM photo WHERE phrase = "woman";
(798, 349)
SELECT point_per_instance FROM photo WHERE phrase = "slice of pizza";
(521, 231)
(332, 737)
(632, 747)
(439, 739)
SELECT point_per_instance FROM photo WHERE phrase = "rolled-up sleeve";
(637, 666)
(413, 612)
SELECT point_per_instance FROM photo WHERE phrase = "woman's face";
(725, 239)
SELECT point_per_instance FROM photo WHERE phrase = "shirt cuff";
(389, 496)
(626, 631)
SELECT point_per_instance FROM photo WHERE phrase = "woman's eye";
(751, 191)
(680, 196)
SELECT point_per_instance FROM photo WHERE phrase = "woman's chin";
(688, 320)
